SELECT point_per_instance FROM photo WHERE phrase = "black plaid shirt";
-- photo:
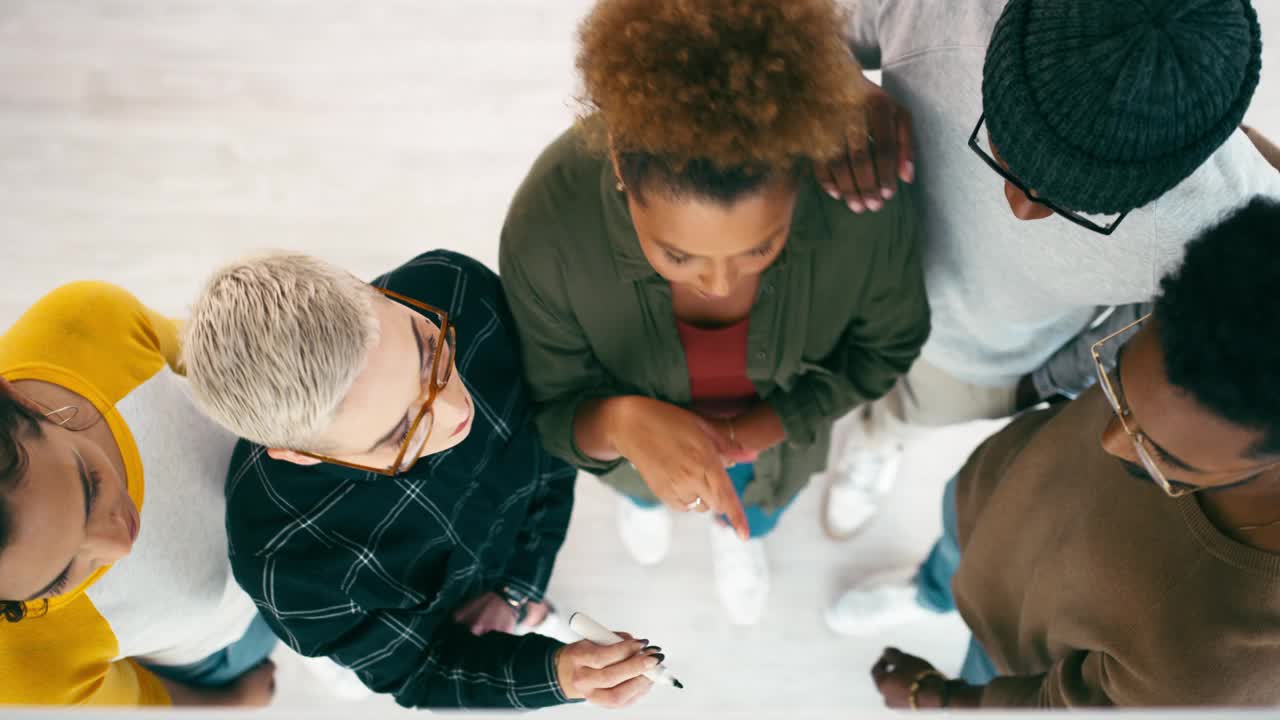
(368, 569)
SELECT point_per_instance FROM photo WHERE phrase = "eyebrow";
(84, 489)
(768, 241)
(1174, 460)
(423, 358)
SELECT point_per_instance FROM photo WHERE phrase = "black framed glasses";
(1101, 225)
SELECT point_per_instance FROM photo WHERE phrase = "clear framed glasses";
(434, 381)
(1103, 225)
(1141, 442)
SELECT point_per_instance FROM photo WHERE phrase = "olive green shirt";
(838, 317)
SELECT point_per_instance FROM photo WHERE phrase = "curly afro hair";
(714, 97)
(1219, 321)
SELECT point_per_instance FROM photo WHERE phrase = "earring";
(62, 421)
(620, 186)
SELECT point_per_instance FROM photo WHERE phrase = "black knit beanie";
(1104, 105)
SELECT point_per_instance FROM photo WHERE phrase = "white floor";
(145, 141)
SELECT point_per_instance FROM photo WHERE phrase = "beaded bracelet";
(913, 694)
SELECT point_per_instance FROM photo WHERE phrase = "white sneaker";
(742, 574)
(646, 532)
(859, 483)
(338, 681)
(867, 611)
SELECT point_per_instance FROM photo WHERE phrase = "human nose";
(720, 280)
(1117, 442)
(111, 538)
(1023, 206)
(453, 396)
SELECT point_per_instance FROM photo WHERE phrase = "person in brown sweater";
(1124, 549)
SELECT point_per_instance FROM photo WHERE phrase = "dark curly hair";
(1218, 320)
(15, 419)
(714, 98)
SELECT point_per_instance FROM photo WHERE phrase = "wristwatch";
(517, 601)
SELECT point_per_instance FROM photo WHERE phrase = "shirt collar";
(627, 255)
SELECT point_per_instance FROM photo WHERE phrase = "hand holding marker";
(600, 635)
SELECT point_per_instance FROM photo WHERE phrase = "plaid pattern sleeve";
(414, 653)
(540, 538)
(369, 570)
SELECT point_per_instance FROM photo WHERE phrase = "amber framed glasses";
(1140, 441)
(435, 377)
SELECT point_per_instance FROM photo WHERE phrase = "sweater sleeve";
(1085, 679)
(99, 332)
(65, 657)
(1074, 681)
(1226, 662)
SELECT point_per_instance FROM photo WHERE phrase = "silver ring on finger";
(697, 502)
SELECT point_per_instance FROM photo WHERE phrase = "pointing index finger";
(725, 501)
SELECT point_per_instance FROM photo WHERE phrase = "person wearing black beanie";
(1104, 106)
(1114, 125)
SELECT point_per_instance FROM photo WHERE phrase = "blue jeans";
(933, 587)
(227, 664)
(760, 521)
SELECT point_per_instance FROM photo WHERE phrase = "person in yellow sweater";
(115, 586)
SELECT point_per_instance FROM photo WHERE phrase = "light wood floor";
(146, 141)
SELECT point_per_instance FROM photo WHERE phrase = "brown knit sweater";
(1087, 586)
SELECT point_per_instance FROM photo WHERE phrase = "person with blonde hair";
(694, 310)
(391, 507)
(113, 553)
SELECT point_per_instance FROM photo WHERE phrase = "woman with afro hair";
(694, 309)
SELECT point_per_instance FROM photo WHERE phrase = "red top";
(717, 361)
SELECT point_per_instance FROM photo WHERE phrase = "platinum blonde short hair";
(274, 344)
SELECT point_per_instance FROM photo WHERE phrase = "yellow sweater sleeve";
(96, 331)
(65, 658)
